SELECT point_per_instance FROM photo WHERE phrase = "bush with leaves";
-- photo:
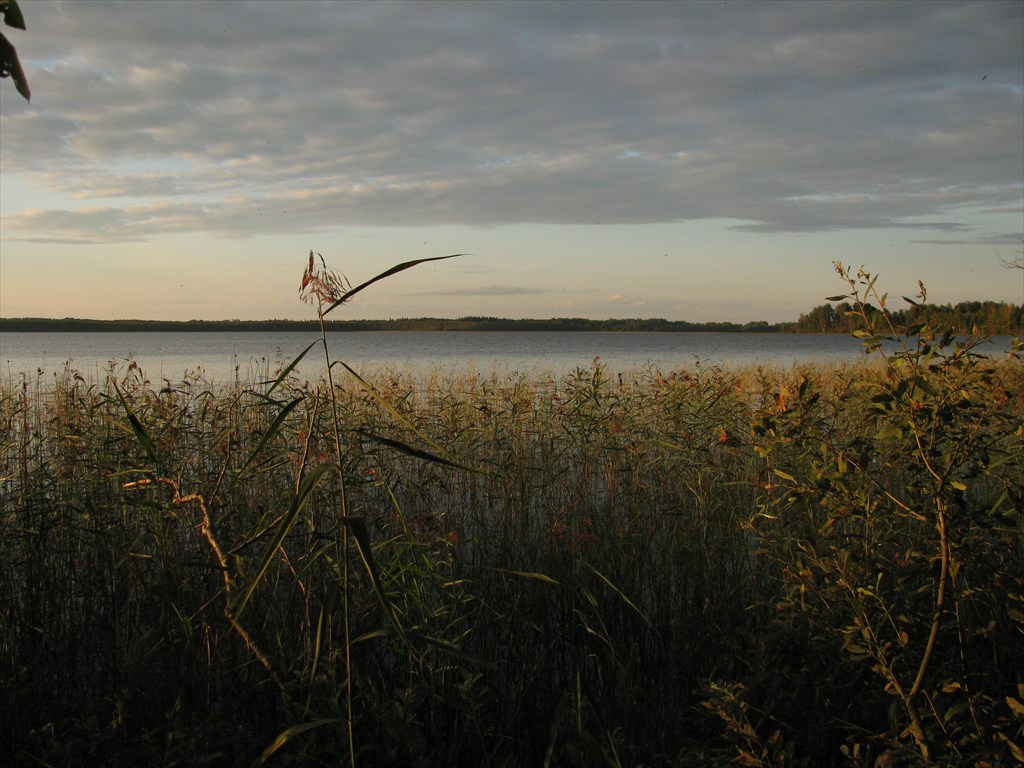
(890, 514)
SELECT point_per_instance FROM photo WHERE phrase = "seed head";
(320, 284)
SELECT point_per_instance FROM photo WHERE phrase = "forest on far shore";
(968, 317)
(984, 317)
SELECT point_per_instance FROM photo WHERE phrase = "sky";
(686, 160)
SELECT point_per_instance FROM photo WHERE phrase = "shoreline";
(562, 325)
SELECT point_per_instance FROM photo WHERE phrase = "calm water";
(218, 355)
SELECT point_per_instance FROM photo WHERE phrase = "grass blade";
(139, 430)
(290, 367)
(272, 430)
(408, 449)
(305, 489)
(405, 422)
(362, 536)
(286, 735)
(394, 270)
(525, 575)
(382, 401)
(614, 589)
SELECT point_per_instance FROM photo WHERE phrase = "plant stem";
(343, 510)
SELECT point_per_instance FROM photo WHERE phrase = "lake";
(169, 355)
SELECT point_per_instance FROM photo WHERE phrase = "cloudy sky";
(687, 160)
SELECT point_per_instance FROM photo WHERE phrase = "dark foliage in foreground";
(803, 567)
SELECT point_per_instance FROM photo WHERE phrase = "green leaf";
(307, 486)
(1015, 706)
(556, 724)
(323, 620)
(836, 298)
(953, 711)
(272, 430)
(613, 588)
(290, 367)
(138, 429)
(450, 648)
(362, 536)
(289, 733)
(525, 574)
(382, 401)
(1017, 752)
(785, 475)
(408, 449)
(889, 431)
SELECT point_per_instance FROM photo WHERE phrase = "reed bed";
(589, 572)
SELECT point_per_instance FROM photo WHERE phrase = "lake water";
(219, 355)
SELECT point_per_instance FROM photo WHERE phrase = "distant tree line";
(984, 317)
(75, 325)
(69, 324)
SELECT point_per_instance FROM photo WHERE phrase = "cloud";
(246, 119)
(636, 303)
(1006, 238)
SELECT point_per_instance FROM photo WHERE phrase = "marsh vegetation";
(804, 566)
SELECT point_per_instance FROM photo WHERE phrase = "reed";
(589, 569)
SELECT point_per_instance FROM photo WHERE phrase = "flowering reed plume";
(332, 289)
(322, 284)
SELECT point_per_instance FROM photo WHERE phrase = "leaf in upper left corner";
(12, 14)
(11, 67)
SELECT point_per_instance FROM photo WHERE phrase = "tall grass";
(600, 570)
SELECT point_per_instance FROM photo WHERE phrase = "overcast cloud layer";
(239, 119)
